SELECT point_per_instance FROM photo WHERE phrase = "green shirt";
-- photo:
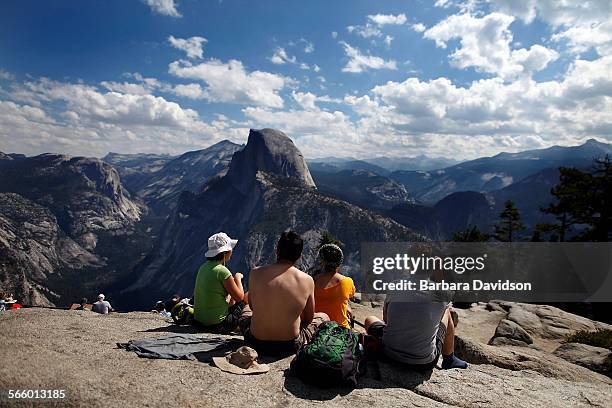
(210, 304)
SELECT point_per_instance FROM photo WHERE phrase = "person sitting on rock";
(82, 304)
(281, 316)
(102, 306)
(417, 328)
(172, 302)
(213, 308)
(332, 289)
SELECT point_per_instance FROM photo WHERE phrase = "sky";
(354, 78)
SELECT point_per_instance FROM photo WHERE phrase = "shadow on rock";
(379, 375)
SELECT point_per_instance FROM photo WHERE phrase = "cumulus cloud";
(387, 19)
(82, 119)
(485, 45)
(584, 25)
(191, 46)
(6, 75)
(230, 82)
(359, 62)
(365, 31)
(490, 115)
(308, 46)
(280, 57)
(418, 27)
(163, 7)
(191, 91)
(305, 99)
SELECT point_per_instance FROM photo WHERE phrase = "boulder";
(594, 358)
(511, 330)
(547, 321)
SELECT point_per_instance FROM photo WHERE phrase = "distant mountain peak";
(269, 151)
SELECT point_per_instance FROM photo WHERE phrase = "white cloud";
(359, 62)
(388, 40)
(308, 46)
(485, 45)
(489, 115)
(191, 46)
(231, 82)
(6, 75)
(164, 7)
(191, 91)
(127, 87)
(365, 31)
(584, 24)
(80, 119)
(280, 57)
(334, 34)
(305, 99)
(316, 68)
(419, 27)
(387, 19)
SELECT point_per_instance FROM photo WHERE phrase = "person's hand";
(239, 275)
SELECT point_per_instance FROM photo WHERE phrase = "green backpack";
(332, 358)
(182, 313)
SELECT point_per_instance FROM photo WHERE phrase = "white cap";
(101, 296)
(219, 242)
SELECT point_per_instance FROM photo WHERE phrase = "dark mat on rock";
(178, 346)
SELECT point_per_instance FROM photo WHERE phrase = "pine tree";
(328, 238)
(509, 223)
(584, 198)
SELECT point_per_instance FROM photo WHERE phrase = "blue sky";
(347, 78)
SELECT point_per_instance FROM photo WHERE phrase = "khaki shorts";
(273, 347)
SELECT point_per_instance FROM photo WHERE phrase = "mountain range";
(136, 226)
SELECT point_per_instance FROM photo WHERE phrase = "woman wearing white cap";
(213, 283)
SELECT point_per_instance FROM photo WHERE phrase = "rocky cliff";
(54, 212)
(266, 190)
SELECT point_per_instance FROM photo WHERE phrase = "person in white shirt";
(102, 306)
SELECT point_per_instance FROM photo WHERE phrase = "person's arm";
(234, 287)
(309, 310)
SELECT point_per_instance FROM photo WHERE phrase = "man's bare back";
(281, 298)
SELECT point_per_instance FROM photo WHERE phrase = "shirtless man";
(280, 316)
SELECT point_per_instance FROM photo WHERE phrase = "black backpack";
(332, 358)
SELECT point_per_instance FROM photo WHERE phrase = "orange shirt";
(334, 300)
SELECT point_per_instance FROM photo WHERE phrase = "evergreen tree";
(509, 224)
(472, 234)
(328, 238)
(584, 198)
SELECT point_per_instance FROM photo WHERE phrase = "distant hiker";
(2, 302)
(214, 283)
(281, 314)
(102, 306)
(170, 304)
(332, 289)
(416, 329)
(10, 303)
